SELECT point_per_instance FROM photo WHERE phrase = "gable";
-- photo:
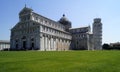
(25, 10)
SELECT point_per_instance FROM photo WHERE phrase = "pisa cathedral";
(36, 32)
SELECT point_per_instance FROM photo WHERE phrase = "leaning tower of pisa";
(97, 34)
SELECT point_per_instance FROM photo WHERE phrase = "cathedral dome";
(64, 20)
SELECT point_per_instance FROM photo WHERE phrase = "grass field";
(62, 61)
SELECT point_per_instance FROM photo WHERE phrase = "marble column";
(60, 44)
(43, 46)
(41, 43)
(45, 43)
(64, 45)
(52, 43)
(56, 44)
(49, 44)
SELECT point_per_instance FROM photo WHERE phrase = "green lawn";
(61, 61)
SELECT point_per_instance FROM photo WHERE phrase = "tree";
(106, 46)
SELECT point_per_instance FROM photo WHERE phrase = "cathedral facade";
(36, 32)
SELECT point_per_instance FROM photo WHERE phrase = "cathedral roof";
(81, 27)
(4, 41)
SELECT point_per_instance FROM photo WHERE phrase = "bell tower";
(97, 34)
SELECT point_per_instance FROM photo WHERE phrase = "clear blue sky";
(79, 12)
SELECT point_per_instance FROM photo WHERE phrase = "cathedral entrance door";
(16, 46)
(24, 45)
(32, 45)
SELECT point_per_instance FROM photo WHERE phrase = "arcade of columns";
(54, 43)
